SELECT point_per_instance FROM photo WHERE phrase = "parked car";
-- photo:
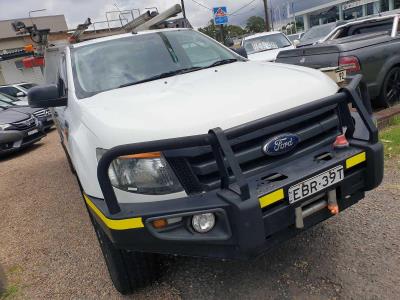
(18, 90)
(42, 114)
(18, 130)
(369, 47)
(183, 147)
(295, 37)
(316, 34)
(265, 46)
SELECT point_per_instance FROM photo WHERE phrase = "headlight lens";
(4, 126)
(142, 174)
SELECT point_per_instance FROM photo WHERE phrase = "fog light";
(204, 222)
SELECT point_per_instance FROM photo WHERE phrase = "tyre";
(128, 270)
(390, 94)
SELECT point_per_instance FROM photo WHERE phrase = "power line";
(202, 5)
(244, 6)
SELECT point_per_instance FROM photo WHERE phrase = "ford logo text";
(281, 144)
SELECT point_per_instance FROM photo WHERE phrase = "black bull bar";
(354, 93)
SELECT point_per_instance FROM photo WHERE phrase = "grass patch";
(10, 292)
(390, 137)
(13, 289)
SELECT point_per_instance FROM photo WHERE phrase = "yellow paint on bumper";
(123, 224)
(271, 198)
(356, 160)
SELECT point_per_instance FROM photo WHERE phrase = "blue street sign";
(220, 15)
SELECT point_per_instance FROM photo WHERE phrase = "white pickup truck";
(183, 147)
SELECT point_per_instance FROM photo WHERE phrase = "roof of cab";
(124, 35)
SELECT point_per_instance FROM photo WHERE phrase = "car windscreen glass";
(316, 33)
(7, 98)
(265, 43)
(5, 104)
(111, 64)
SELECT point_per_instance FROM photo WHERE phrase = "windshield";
(112, 64)
(265, 43)
(316, 33)
(7, 98)
(5, 104)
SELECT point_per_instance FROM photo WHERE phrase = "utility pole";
(183, 8)
(267, 28)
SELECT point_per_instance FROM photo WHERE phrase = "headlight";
(143, 174)
(4, 126)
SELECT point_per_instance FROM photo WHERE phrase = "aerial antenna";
(34, 11)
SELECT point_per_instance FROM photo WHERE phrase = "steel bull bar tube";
(218, 139)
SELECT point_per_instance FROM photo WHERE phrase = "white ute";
(265, 46)
(183, 147)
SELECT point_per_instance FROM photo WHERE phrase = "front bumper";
(14, 140)
(252, 212)
(243, 228)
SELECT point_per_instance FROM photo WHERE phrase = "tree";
(255, 24)
(234, 31)
(210, 30)
(230, 31)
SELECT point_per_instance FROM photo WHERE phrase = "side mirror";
(296, 43)
(45, 96)
(20, 94)
(241, 51)
(229, 43)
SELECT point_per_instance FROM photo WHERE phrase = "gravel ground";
(49, 250)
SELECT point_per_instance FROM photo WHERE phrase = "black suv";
(42, 114)
(18, 130)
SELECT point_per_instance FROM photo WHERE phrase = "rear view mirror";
(45, 96)
(20, 94)
(241, 51)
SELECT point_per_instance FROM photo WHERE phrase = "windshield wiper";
(162, 75)
(221, 62)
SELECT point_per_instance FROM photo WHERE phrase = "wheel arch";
(389, 65)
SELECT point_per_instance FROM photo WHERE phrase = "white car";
(265, 46)
(183, 147)
(18, 90)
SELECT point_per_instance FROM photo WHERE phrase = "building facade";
(308, 13)
(13, 70)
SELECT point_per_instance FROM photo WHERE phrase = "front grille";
(44, 113)
(24, 125)
(198, 171)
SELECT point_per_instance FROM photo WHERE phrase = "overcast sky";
(76, 11)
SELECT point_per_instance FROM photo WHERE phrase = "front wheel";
(390, 94)
(128, 270)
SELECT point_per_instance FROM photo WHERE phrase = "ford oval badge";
(281, 144)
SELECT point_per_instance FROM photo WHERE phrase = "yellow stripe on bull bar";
(356, 160)
(271, 198)
(123, 224)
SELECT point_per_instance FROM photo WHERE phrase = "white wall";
(13, 75)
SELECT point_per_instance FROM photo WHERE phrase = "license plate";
(340, 76)
(315, 184)
(33, 132)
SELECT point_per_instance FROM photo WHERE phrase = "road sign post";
(220, 19)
